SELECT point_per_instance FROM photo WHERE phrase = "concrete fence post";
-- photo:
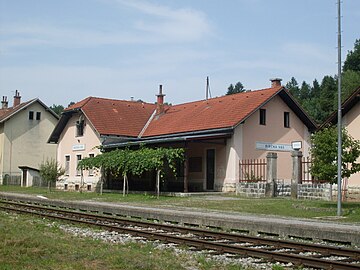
(296, 177)
(271, 174)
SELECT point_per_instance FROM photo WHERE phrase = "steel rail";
(277, 243)
(198, 243)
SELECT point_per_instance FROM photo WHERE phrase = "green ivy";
(135, 162)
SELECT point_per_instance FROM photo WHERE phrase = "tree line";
(319, 99)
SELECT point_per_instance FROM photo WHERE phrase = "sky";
(64, 51)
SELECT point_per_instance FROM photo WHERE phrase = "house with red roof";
(24, 130)
(90, 123)
(350, 110)
(217, 133)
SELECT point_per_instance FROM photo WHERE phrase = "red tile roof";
(115, 117)
(221, 112)
(131, 119)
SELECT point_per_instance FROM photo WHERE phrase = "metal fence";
(252, 170)
(38, 182)
(306, 176)
(13, 179)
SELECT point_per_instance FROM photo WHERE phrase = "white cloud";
(173, 24)
(154, 24)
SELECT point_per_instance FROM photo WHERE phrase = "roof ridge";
(85, 101)
(229, 96)
(147, 124)
(122, 100)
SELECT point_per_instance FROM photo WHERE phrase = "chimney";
(4, 103)
(275, 82)
(17, 98)
(160, 101)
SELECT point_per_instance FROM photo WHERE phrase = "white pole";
(124, 185)
(158, 183)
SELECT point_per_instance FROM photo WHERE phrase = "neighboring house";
(24, 130)
(351, 121)
(84, 126)
(217, 133)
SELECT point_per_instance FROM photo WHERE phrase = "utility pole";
(339, 115)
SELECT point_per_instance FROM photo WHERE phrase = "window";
(67, 165)
(286, 119)
(91, 171)
(65, 186)
(78, 171)
(77, 187)
(80, 128)
(88, 187)
(38, 115)
(31, 115)
(262, 117)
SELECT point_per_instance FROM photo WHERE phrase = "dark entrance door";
(210, 169)
(24, 177)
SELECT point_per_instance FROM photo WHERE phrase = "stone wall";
(282, 189)
(352, 193)
(251, 189)
(315, 191)
(305, 191)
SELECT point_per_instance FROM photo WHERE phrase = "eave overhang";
(346, 106)
(173, 138)
(65, 116)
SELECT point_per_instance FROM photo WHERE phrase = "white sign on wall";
(78, 147)
(296, 145)
(273, 146)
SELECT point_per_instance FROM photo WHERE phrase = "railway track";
(269, 249)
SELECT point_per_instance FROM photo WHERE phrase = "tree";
(304, 91)
(327, 101)
(324, 154)
(352, 61)
(349, 83)
(293, 87)
(58, 109)
(238, 88)
(315, 89)
(50, 171)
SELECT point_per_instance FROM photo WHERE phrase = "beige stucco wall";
(24, 141)
(243, 144)
(352, 122)
(68, 141)
(199, 150)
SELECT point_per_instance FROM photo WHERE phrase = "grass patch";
(29, 243)
(286, 207)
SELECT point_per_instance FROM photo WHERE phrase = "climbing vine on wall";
(135, 162)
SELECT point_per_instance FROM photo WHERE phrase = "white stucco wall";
(24, 141)
(243, 144)
(71, 145)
